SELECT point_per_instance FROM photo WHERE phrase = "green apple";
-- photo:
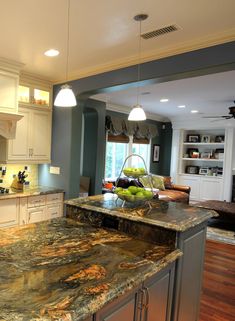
(130, 198)
(140, 189)
(148, 194)
(133, 189)
(140, 194)
(118, 190)
(142, 170)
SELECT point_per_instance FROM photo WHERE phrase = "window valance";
(139, 130)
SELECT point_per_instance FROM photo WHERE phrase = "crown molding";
(10, 65)
(126, 110)
(180, 48)
(33, 79)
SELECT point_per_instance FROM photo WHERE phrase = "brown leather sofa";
(175, 193)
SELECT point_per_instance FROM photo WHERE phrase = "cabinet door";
(159, 289)
(9, 215)
(54, 211)
(122, 309)
(211, 188)
(18, 148)
(194, 183)
(40, 137)
(8, 92)
(36, 214)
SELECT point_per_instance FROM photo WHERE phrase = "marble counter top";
(170, 215)
(33, 191)
(63, 270)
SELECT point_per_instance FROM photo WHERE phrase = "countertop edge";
(170, 226)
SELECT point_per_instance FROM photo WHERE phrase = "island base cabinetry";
(188, 276)
(150, 302)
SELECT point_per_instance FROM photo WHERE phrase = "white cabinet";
(201, 163)
(31, 209)
(41, 208)
(203, 187)
(193, 182)
(211, 188)
(36, 214)
(33, 139)
(8, 92)
(9, 214)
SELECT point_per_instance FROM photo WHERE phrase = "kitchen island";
(182, 225)
(65, 270)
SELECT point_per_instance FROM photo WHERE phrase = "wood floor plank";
(218, 290)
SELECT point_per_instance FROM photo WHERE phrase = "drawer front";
(34, 201)
(54, 211)
(54, 198)
(37, 214)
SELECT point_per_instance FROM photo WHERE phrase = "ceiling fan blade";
(215, 116)
(219, 119)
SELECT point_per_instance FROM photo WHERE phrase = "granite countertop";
(64, 270)
(171, 215)
(33, 191)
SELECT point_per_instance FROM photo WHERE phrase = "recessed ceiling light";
(164, 100)
(51, 53)
(181, 106)
(194, 111)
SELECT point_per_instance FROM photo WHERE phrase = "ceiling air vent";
(160, 32)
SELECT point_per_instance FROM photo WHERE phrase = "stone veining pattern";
(169, 215)
(63, 270)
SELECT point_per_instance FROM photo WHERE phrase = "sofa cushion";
(167, 181)
(174, 196)
(157, 181)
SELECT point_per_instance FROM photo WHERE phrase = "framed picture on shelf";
(206, 155)
(193, 152)
(193, 138)
(219, 139)
(156, 153)
(205, 139)
(191, 169)
(203, 171)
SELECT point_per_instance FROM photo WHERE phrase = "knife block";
(17, 185)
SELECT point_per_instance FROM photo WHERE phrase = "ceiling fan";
(230, 115)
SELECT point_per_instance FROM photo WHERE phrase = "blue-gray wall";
(67, 123)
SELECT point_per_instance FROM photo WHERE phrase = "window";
(117, 152)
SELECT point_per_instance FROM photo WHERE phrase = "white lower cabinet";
(37, 214)
(31, 209)
(43, 207)
(203, 187)
(9, 214)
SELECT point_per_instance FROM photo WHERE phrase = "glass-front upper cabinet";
(34, 95)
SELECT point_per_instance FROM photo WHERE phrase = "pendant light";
(137, 113)
(66, 97)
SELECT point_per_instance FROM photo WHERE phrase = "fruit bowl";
(134, 172)
(134, 194)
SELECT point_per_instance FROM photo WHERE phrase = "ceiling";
(103, 34)
(209, 95)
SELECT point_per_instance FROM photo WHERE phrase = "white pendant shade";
(137, 113)
(65, 97)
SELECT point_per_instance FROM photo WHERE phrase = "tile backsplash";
(13, 169)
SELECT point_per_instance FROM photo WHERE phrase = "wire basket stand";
(136, 177)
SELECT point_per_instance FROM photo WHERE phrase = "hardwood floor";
(218, 296)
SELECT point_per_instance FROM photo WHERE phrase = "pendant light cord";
(68, 31)
(138, 71)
